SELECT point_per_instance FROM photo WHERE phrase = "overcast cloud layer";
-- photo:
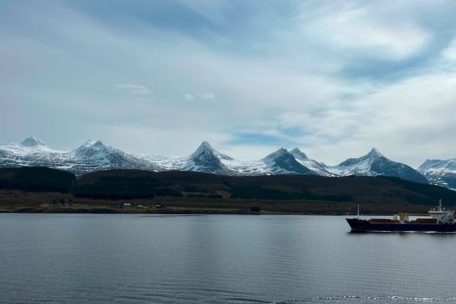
(334, 78)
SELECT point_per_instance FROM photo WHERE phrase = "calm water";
(217, 259)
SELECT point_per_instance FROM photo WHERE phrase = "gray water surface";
(60, 258)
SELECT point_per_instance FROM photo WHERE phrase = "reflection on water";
(217, 259)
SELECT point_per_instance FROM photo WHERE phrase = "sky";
(334, 78)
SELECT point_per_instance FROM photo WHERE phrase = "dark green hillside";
(36, 179)
(140, 184)
(340, 189)
(192, 192)
(124, 184)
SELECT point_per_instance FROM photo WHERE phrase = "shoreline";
(158, 212)
(184, 211)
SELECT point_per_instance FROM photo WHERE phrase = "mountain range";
(94, 156)
(440, 172)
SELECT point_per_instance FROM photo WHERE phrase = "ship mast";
(358, 210)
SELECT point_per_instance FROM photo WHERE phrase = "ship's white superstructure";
(441, 215)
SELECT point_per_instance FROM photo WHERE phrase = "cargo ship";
(437, 220)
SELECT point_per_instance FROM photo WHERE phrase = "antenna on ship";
(440, 204)
(358, 210)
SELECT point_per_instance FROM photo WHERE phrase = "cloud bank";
(158, 77)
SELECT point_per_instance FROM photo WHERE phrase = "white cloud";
(198, 96)
(362, 30)
(292, 82)
(189, 96)
(449, 54)
(178, 141)
(209, 9)
(135, 89)
(206, 96)
(408, 121)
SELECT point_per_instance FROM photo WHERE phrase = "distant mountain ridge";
(91, 156)
(315, 166)
(440, 172)
(374, 163)
(94, 156)
(283, 162)
(32, 141)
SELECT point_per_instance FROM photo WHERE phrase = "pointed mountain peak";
(278, 153)
(206, 148)
(367, 159)
(32, 141)
(206, 145)
(283, 162)
(207, 159)
(98, 144)
(91, 146)
(88, 143)
(94, 148)
(375, 153)
(93, 143)
(298, 154)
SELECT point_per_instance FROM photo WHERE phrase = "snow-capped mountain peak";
(207, 159)
(93, 143)
(98, 145)
(374, 163)
(283, 162)
(298, 154)
(440, 172)
(89, 142)
(276, 154)
(95, 155)
(374, 153)
(91, 148)
(31, 142)
(448, 164)
(364, 162)
(206, 148)
(315, 166)
(30, 145)
(203, 148)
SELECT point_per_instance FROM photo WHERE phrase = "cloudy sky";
(334, 78)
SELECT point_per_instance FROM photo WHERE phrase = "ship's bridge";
(441, 215)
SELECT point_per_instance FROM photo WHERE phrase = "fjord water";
(56, 258)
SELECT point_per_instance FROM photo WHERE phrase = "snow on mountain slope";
(204, 159)
(89, 157)
(167, 163)
(30, 145)
(94, 155)
(30, 152)
(440, 172)
(33, 142)
(255, 167)
(317, 167)
(207, 159)
(283, 162)
(374, 163)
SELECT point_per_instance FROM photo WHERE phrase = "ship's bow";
(356, 224)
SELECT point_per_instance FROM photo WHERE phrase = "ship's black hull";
(364, 226)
